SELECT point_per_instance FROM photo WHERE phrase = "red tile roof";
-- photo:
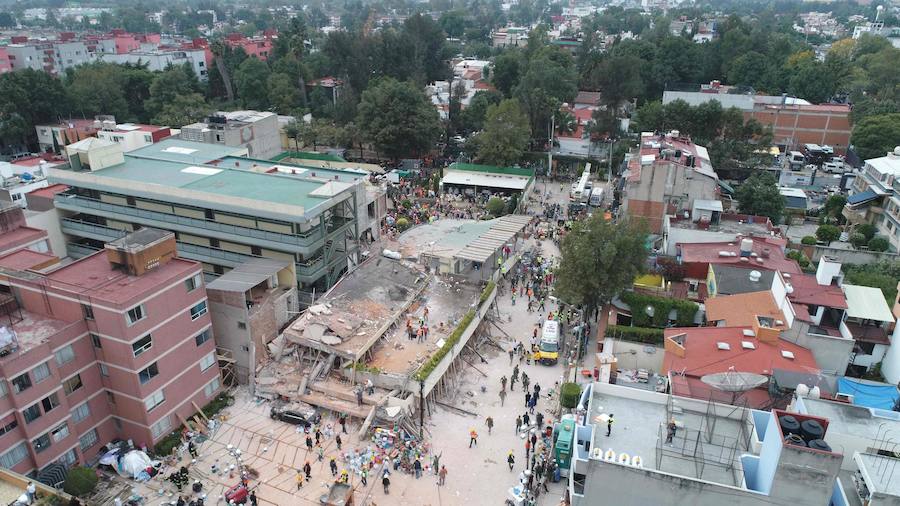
(50, 191)
(709, 253)
(702, 356)
(742, 309)
(807, 290)
(20, 237)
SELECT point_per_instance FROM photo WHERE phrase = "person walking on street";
(364, 476)
(333, 464)
(192, 449)
(527, 449)
(318, 435)
(417, 467)
(537, 389)
(299, 479)
(490, 423)
(503, 382)
(359, 396)
(511, 353)
(609, 423)
(307, 470)
(253, 500)
(511, 460)
(539, 420)
(502, 397)
(337, 440)
(525, 381)
(309, 443)
(527, 399)
(525, 420)
(343, 421)
(442, 476)
(518, 423)
(385, 482)
(473, 438)
(534, 440)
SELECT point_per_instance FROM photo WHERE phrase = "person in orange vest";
(473, 437)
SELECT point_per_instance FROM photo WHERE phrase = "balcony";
(303, 243)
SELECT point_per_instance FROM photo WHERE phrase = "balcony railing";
(197, 226)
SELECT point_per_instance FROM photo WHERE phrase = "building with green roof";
(223, 207)
(471, 177)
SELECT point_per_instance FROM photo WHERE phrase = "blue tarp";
(859, 198)
(870, 395)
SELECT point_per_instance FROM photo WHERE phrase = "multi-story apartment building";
(224, 208)
(667, 175)
(875, 197)
(257, 131)
(115, 345)
(161, 58)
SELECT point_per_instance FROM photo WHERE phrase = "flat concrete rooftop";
(859, 421)
(640, 426)
(179, 150)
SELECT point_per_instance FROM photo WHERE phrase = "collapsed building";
(364, 330)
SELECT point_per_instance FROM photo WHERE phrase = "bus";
(578, 188)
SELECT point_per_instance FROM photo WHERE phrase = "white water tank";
(755, 276)
(746, 246)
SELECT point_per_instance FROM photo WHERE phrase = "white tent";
(133, 464)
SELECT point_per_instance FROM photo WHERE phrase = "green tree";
(495, 206)
(284, 96)
(759, 196)
(473, 115)
(882, 275)
(876, 135)
(599, 260)
(505, 134)
(175, 81)
(879, 244)
(80, 481)
(96, 88)
(183, 110)
(549, 80)
(828, 233)
(618, 79)
(250, 81)
(397, 118)
(867, 230)
(28, 97)
(292, 130)
(507, 71)
(833, 207)
(320, 103)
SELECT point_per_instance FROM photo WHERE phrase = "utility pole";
(550, 150)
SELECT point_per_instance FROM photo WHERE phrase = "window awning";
(862, 198)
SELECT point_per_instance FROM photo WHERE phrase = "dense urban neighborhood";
(275, 253)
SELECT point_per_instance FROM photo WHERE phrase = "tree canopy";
(876, 135)
(599, 260)
(397, 118)
(505, 134)
(759, 196)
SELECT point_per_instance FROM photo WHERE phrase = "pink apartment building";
(115, 345)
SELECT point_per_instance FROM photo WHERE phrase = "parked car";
(290, 416)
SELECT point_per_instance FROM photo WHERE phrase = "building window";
(198, 310)
(72, 384)
(193, 282)
(242, 325)
(32, 413)
(256, 250)
(41, 443)
(9, 425)
(67, 459)
(60, 432)
(104, 370)
(211, 387)
(148, 373)
(50, 402)
(95, 340)
(135, 314)
(141, 345)
(154, 400)
(88, 440)
(87, 312)
(65, 355)
(161, 427)
(41, 373)
(81, 412)
(21, 383)
(14, 456)
(202, 337)
(110, 398)
(207, 361)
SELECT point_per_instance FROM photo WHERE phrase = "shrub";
(495, 206)
(828, 233)
(799, 257)
(636, 334)
(858, 240)
(879, 243)
(685, 310)
(80, 481)
(486, 292)
(808, 240)
(402, 224)
(165, 445)
(866, 229)
(217, 404)
(569, 394)
(449, 343)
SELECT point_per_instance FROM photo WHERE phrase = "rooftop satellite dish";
(734, 381)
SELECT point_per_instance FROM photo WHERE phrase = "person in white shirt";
(31, 490)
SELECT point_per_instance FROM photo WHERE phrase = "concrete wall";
(890, 367)
(645, 356)
(832, 354)
(49, 221)
(227, 311)
(851, 256)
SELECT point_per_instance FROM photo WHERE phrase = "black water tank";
(677, 153)
(794, 439)
(811, 429)
(819, 444)
(789, 425)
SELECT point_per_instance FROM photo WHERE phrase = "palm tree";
(218, 51)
